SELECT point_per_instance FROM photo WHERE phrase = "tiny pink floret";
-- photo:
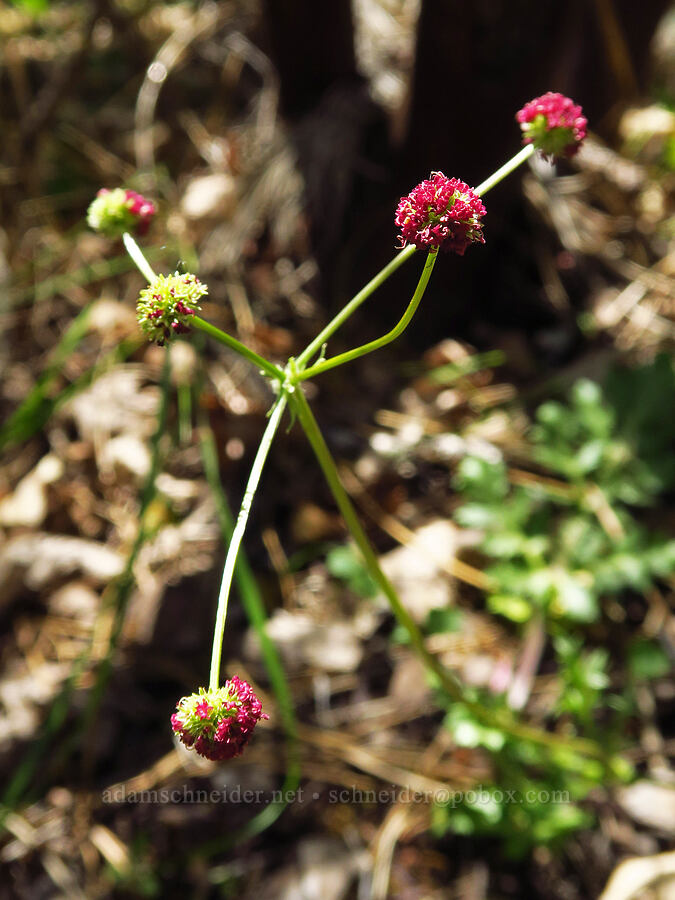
(142, 209)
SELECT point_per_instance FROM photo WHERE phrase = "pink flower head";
(554, 124)
(218, 724)
(114, 212)
(441, 212)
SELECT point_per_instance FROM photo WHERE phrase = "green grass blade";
(38, 407)
(22, 786)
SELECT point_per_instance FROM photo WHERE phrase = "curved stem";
(401, 325)
(254, 607)
(136, 254)
(354, 304)
(449, 682)
(224, 338)
(325, 460)
(523, 154)
(238, 534)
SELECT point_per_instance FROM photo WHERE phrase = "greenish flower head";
(114, 212)
(166, 305)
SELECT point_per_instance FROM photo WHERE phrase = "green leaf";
(590, 456)
(586, 393)
(560, 819)
(484, 481)
(514, 608)
(443, 620)
(575, 598)
(467, 732)
(344, 562)
(477, 515)
(646, 659)
(35, 7)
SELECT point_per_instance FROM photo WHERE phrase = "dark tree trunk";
(312, 44)
(478, 63)
(339, 133)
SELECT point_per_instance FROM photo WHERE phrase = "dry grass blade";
(396, 529)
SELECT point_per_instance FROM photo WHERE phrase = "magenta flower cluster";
(218, 723)
(554, 124)
(114, 212)
(441, 213)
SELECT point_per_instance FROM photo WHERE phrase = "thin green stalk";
(184, 397)
(448, 681)
(247, 587)
(315, 346)
(325, 460)
(398, 329)
(136, 254)
(523, 154)
(354, 304)
(254, 608)
(224, 338)
(238, 534)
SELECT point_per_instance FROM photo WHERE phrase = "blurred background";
(511, 456)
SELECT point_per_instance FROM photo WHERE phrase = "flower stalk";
(323, 455)
(350, 308)
(265, 366)
(398, 329)
(521, 156)
(136, 254)
(445, 678)
(238, 534)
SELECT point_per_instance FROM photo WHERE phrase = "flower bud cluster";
(114, 212)
(165, 306)
(218, 723)
(554, 124)
(441, 213)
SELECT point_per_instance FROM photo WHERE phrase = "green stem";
(136, 254)
(401, 325)
(354, 304)
(329, 469)
(238, 534)
(449, 682)
(247, 586)
(523, 154)
(224, 338)
(254, 607)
